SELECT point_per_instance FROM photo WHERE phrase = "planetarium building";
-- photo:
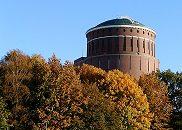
(123, 44)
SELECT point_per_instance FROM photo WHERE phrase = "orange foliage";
(15, 77)
(121, 88)
(160, 106)
(49, 95)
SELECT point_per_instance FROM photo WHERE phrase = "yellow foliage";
(160, 106)
(122, 89)
(132, 102)
(90, 74)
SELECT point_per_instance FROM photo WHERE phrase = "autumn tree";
(174, 83)
(121, 89)
(62, 89)
(46, 94)
(22, 78)
(159, 103)
(15, 76)
(49, 95)
(99, 113)
(74, 105)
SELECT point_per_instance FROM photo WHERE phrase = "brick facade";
(130, 49)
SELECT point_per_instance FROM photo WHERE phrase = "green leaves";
(3, 115)
(174, 83)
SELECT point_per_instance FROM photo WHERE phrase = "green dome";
(120, 21)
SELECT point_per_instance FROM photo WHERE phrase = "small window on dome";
(137, 31)
(124, 30)
(143, 32)
(131, 30)
(148, 33)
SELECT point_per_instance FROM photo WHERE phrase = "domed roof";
(120, 21)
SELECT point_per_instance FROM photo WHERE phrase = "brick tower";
(123, 44)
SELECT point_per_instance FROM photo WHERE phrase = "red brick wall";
(117, 48)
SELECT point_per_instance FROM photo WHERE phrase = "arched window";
(117, 31)
(140, 63)
(149, 47)
(132, 44)
(148, 66)
(109, 45)
(93, 47)
(124, 45)
(97, 46)
(143, 46)
(138, 45)
(102, 44)
(152, 48)
(130, 62)
(116, 42)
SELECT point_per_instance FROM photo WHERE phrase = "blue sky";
(58, 26)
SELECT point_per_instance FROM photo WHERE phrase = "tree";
(174, 83)
(75, 105)
(47, 94)
(15, 76)
(121, 89)
(159, 103)
(62, 96)
(99, 113)
(41, 94)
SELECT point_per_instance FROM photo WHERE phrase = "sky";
(58, 27)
